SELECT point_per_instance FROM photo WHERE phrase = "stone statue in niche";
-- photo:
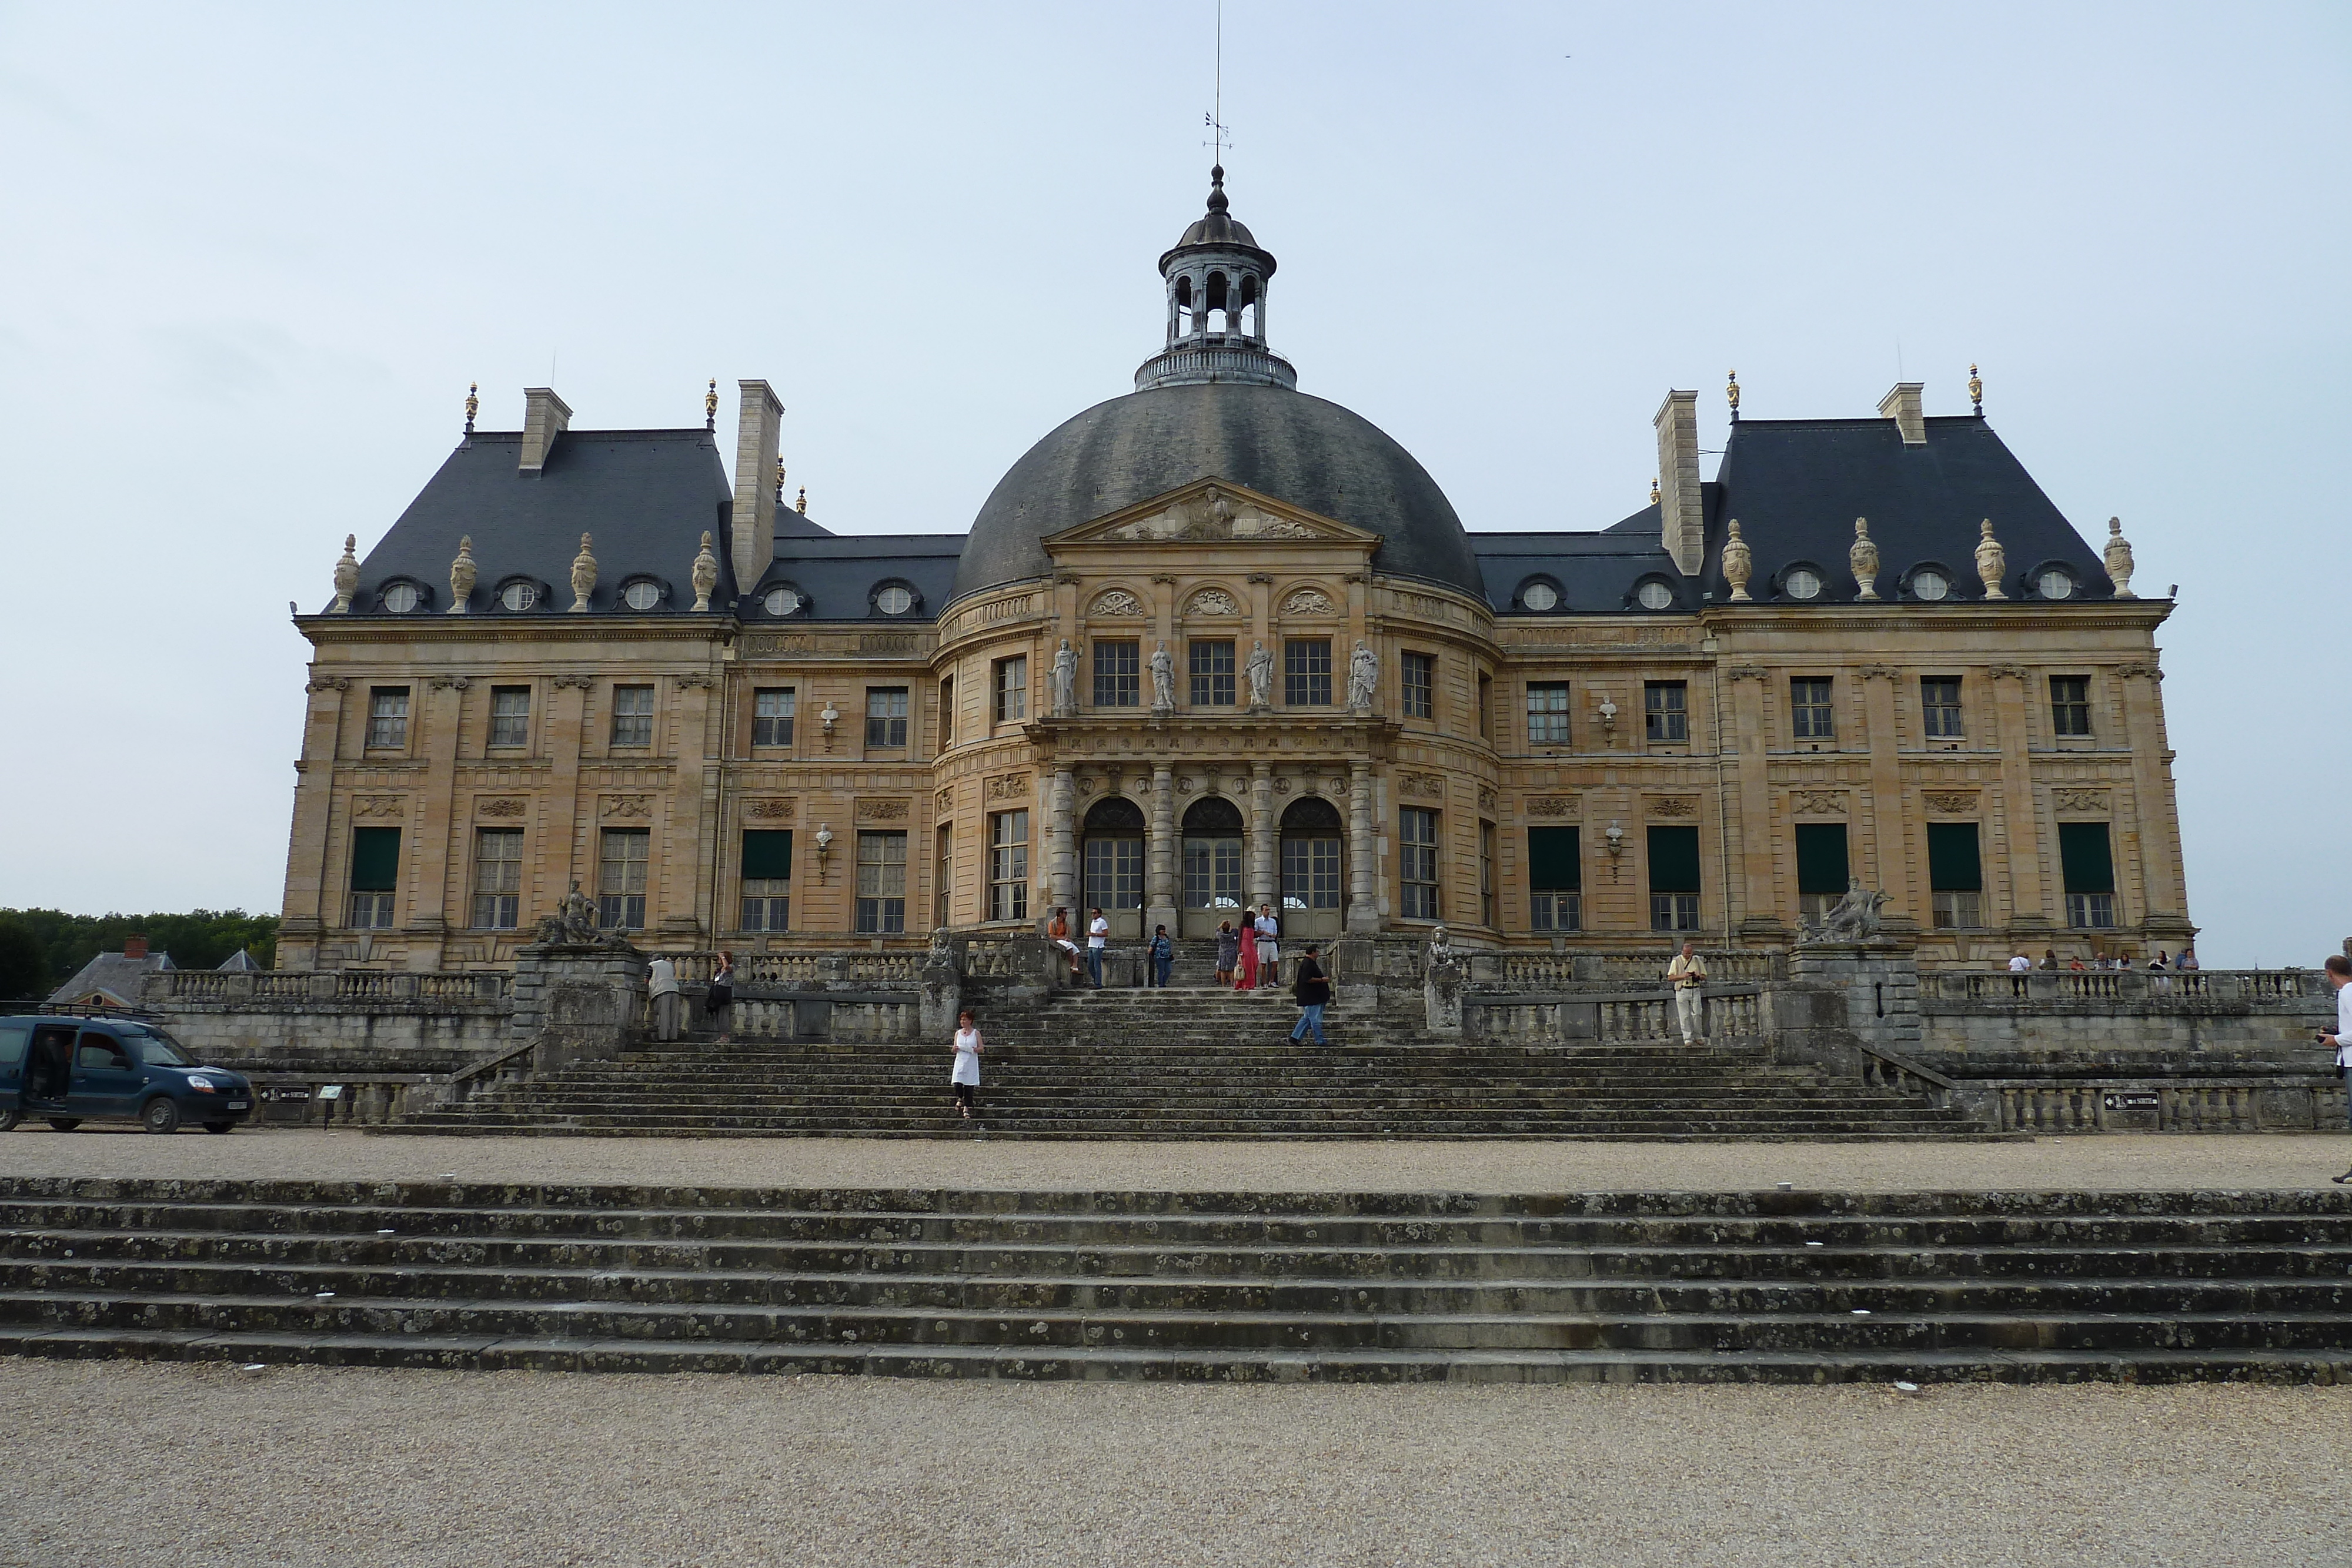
(1066, 681)
(1363, 677)
(1854, 918)
(1163, 676)
(1261, 675)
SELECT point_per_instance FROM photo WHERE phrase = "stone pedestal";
(1441, 996)
(577, 1002)
(942, 986)
(1879, 979)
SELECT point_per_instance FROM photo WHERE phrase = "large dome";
(1295, 448)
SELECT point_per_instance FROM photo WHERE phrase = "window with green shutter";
(375, 875)
(2089, 872)
(1954, 875)
(767, 878)
(1555, 879)
(1674, 879)
(1821, 868)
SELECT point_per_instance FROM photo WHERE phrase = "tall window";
(2090, 869)
(946, 713)
(1420, 685)
(509, 715)
(1306, 672)
(621, 879)
(388, 717)
(1487, 874)
(1821, 869)
(1012, 683)
(885, 715)
(1417, 863)
(1548, 713)
(1486, 708)
(1955, 876)
(1674, 879)
(1811, 716)
(881, 883)
(2070, 704)
(1008, 866)
(1665, 712)
(375, 873)
(767, 879)
(633, 715)
(497, 878)
(772, 710)
(942, 881)
(1940, 707)
(1118, 673)
(1212, 662)
(1555, 879)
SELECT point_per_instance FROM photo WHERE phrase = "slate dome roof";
(1295, 448)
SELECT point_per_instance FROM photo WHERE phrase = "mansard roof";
(838, 575)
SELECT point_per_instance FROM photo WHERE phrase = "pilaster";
(1261, 835)
(2020, 826)
(1364, 911)
(1160, 864)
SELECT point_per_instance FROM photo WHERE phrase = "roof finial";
(801, 506)
(1976, 391)
(780, 481)
(1731, 391)
(710, 406)
(1657, 497)
(473, 403)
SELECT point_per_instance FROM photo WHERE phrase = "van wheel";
(8, 1120)
(160, 1115)
(65, 1124)
(220, 1126)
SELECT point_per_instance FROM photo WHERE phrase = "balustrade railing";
(2117, 987)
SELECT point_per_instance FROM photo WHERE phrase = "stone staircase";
(1666, 1286)
(1198, 1062)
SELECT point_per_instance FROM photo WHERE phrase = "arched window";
(1218, 304)
(1185, 322)
(1249, 311)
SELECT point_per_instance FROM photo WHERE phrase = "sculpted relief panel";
(1212, 517)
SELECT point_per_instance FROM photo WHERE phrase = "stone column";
(2020, 821)
(1363, 912)
(1261, 834)
(1160, 858)
(309, 904)
(570, 853)
(1061, 849)
(1761, 915)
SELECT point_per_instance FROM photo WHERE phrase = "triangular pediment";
(1211, 511)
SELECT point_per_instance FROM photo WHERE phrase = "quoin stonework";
(1220, 642)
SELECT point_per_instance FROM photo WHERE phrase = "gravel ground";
(118, 1463)
(2098, 1162)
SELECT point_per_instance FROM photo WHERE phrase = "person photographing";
(1687, 975)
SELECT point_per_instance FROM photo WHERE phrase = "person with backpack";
(1313, 991)
(1163, 955)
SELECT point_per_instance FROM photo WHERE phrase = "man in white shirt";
(2020, 965)
(1098, 932)
(662, 986)
(1687, 974)
(1269, 948)
(2339, 970)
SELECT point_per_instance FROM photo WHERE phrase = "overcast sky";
(252, 257)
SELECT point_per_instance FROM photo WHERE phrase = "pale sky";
(250, 257)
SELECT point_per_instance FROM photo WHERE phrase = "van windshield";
(154, 1047)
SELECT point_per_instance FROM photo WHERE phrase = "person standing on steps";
(1098, 932)
(1687, 974)
(722, 996)
(1246, 949)
(1058, 933)
(1229, 952)
(1313, 989)
(1162, 953)
(661, 985)
(965, 1078)
(2338, 1040)
(1269, 947)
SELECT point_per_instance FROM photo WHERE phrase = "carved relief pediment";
(1208, 512)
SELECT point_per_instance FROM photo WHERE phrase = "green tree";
(197, 939)
(24, 962)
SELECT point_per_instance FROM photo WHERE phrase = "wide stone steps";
(1372, 1287)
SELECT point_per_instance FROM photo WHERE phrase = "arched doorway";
(1213, 865)
(1113, 862)
(1314, 869)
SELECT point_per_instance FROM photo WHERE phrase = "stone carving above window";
(1673, 805)
(499, 806)
(380, 805)
(1950, 802)
(2079, 800)
(1426, 786)
(1009, 787)
(1116, 602)
(882, 811)
(627, 806)
(1554, 806)
(1211, 515)
(1212, 601)
(1487, 799)
(1817, 803)
(1309, 602)
(778, 811)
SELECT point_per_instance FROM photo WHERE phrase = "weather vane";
(1219, 138)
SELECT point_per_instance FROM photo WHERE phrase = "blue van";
(69, 1069)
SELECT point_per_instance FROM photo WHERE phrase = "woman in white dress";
(966, 1076)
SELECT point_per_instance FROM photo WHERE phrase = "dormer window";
(894, 598)
(2054, 583)
(782, 602)
(1802, 583)
(1654, 593)
(400, 597)
(641, 593)
(1538, 595)
(518, 593)
(1929, 584)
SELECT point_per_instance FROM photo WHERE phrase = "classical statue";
(1991, 561)
(579, 917)
(1066, 681)
(1163, 676)
(1260, 667)
(461, 576)
(706, 575)
(1855, 916)
(1862, 559)
(584, 577)
(1441, 947)
(1363, 677)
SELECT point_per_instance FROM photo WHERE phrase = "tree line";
(41, 949)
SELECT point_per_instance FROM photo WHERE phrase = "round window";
(1802, 582)
(1654, 595)
(400, 597)
(518, 596)
(893, 601)
(1929, 585)
(2055, 583)
(641, 595)
(1540, 596)
(781, 602)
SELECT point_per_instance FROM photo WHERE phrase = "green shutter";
(1554, 861)
(767, 853)
(1674, 860)
(2083, 851)
(1953, 865)
(375, 859)
(1821, 857)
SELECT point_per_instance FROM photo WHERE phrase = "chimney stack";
(545, 417)
(135, 946)
(1682, 519)
(759, 428)
(1902, 406)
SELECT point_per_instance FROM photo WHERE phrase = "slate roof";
(647, 496)
(1595, 573)
(838, 574)
(113, 979)
(240, 961)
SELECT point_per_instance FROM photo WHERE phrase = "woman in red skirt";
(1248, 981)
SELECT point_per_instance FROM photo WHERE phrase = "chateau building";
(1219, 643)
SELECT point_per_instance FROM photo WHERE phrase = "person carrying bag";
(1313, 992)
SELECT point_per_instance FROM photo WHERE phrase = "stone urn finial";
(1739, 563)
(1991, 561)
(461, 576)
(1862, 559)
(2119, 558)
(584, 577)
(706, 575)
(347, 575)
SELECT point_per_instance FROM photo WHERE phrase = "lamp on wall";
(823, 848)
